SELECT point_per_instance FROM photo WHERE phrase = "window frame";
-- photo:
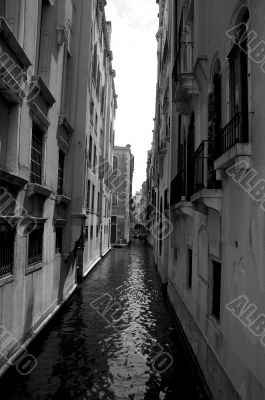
(189, 270)
(34, 150)
(216, 318)
(35, 265)
(114, 195)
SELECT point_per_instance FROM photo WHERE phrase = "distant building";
(121, 188)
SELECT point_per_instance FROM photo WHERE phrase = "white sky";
(134, 46)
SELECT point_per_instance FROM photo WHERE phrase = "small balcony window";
(114, 199)
(88, 194)
(36, 155)
(35, 246)
(59, 240)
(216, 289)
(189, 269)
(60, 183)
(7, 241)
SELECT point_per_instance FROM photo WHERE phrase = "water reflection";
(83, 356)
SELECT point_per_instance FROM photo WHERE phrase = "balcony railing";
(7, 241)
(204, 174)
(236, 131)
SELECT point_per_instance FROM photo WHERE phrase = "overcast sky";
(134, 46)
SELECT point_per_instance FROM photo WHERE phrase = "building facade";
(47, 85)
(121, 188)
(206, 172)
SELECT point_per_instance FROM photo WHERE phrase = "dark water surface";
(84, 354)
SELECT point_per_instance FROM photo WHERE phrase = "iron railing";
(35, 248)
(236, 131)
(7, 240)
(203, 162)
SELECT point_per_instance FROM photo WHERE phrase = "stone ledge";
(7, 35)
(35, 188)
(182, 209)
(61, 199)
(12, 179)
(211, 198)
(239, 152)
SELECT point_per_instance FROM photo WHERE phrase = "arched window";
(94, 66)
(215, 109)
(115, 165)
(238, 68)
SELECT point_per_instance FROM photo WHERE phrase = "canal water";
(114, 339)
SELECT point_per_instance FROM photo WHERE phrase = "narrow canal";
(114, 339)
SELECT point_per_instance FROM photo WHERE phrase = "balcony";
(207, 190)
(185, 83)
(163, 147)
(179, 200)
(233, 144)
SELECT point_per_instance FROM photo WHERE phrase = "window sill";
(61, 199)
(12, 179)
(6, 279)
(183, 208)
(210, 198)
(32, 268)
(44, 91)
(35, 188)
(65, 123)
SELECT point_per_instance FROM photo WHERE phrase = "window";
(96, 124)
(36, 155)
(102, 100)
(59, 241)
(101, 139)
(189, 272)
(98, 202)
(176, 250)
(2, 8)
(115, 165)
(7, 241)
(98, 82)
(92, 111)
(91, 232)
(166, 205)
(114, 199)
(90, 149)
(216, 289)
(93, 198)
(40, 30)
(60, 172)
(35, 245)
(94, 65)
(95, 156)
(238, 62)
(67, 80)
(88, 194)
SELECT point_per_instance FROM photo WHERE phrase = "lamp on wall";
(61, 35)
